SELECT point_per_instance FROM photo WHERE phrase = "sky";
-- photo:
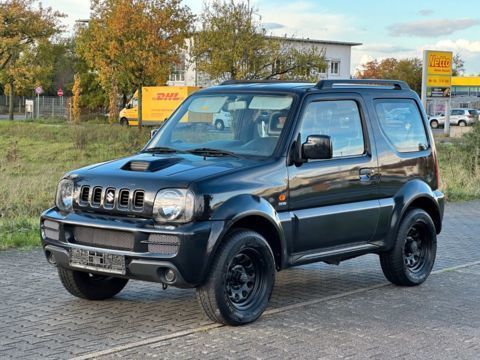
(387, 28)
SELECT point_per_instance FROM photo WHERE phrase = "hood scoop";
(149, 166)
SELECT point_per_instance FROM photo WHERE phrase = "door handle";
(366, 174)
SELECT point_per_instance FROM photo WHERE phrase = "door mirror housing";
(317, 147)
(129, 106)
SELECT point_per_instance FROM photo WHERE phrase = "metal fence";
(43, 106)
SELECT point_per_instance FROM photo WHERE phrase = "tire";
(240, 281)
(434, 124)
(124, 121)
(219, 125)
(89, 286)
(462, 123)
(410, 261)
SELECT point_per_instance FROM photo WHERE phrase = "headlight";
(174, 205)
(64, 198)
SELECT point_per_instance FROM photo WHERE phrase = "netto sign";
(437, 73)
(439, 63)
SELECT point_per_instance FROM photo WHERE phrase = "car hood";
(154, 171)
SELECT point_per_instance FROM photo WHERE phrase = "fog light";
(170, 275)
(51, 258)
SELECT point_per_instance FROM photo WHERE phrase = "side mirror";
(317, 147)
(129, 106)
(153, 132)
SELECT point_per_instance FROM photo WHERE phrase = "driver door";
(335, 201)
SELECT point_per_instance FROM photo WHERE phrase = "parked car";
(222, 120)
(460, 117)
(339, 169)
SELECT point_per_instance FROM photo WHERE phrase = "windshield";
(242, 124)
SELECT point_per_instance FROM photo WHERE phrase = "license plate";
(97, 261)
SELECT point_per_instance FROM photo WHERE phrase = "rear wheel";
(462, 123)
(434, 124)
(241, 279)
(412, 257)
(90, 286)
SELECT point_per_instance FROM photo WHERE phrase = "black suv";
(302, 173)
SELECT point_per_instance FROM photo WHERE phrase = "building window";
(178, 71)
(335, 67)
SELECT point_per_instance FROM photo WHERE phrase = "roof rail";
(395, 84)
(272, 81)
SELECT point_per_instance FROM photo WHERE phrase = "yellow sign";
(439, 81)
(439, 63)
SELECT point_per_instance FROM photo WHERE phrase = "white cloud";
(431, 28)
(459, 45)
(384, 48)
(306, 20)
(426, 12)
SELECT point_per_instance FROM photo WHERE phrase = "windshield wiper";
(212, 152)
(162, 150)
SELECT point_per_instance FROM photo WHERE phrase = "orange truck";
(158, 103)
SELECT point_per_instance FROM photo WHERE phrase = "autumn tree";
(25, 32)
(76, 99)
(133, 43)
(458, 65)
(231, 44)
(408, 70)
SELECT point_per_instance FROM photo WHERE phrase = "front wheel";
(241, 279)
(124, 121)
(411, 259)
(434, 124)
(90, 286)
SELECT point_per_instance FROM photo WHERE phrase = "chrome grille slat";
(123, 198)
(85, 194)
(138, 198)
(96, 196)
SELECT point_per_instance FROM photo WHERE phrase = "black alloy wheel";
(411, 259)
(241, 279)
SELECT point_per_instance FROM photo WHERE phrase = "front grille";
(97, 196)
(110, 198)
(102, 238)
(163, 244)
(124, 195)
(84, 193)
(138, 198)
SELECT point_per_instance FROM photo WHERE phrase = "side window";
(402, 124)
(457, 112)
(338, 119)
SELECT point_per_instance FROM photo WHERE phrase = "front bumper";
(189, 261)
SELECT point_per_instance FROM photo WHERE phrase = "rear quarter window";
(402, 124)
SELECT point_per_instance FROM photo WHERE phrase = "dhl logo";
(167, 96)
(439, 61)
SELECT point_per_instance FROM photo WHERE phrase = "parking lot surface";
(346, 311)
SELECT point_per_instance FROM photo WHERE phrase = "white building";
(337, 53)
